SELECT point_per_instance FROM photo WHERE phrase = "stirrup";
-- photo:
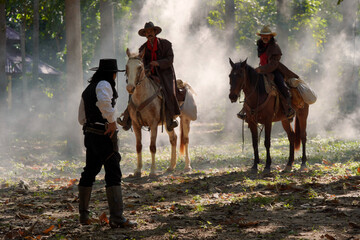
(241, 115)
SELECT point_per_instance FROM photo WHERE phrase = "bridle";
(138, 80)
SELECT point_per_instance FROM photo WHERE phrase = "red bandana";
(153, 50)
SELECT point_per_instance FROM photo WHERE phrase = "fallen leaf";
(354, 225)
(49, 229)
(329, 237)
(103, 218)
(248, 224)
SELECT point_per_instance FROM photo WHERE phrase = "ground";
(218, 199)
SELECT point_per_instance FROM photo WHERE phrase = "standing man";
(97, 115)
(270, 54)
(158, 61)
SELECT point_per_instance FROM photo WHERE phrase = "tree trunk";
(3, 79)
(350, 78)
(107, 29)
(282, 28)
(36, 44)
(74, 73)
(23, 60)
(230, 22)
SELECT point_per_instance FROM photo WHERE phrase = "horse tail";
(297, 134)
(182, 140)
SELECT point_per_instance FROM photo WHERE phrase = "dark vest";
(92, 112)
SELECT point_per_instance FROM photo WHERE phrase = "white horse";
(145, 108)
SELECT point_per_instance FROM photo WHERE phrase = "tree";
(74, 73)
(3, 80)
(107, 29)
(36, 43)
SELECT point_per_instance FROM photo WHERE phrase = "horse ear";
(142, 53)
(243, 63)
(128, 52)
(231, 63)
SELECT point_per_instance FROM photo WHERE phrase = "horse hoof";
(266, 171)
(253, 171)
(137, 174)
(287, 169)
(303, 168)
(152, 175)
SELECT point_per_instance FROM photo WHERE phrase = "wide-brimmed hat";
(149, 25)
(266, 31)
(107, 65)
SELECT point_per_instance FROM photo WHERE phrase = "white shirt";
(104, 95)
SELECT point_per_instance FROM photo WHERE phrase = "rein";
(142, 105)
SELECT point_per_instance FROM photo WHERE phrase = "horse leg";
(184, 141)
(173, 139)
(137, 131)
(153, 135)
(267, 144)
(291, 137)
(254, 134)
(302, 118)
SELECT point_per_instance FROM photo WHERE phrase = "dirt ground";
(212, 204)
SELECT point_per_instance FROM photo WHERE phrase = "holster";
(100, 130)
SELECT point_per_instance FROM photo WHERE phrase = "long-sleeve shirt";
(104, 95)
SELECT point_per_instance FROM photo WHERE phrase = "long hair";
(107, 76)
(102, 75)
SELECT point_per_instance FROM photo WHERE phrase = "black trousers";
(99, 152)
(280, 83)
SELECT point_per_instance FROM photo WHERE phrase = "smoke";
(201, 59)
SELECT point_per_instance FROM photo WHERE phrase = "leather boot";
(241, 114)
(84, 199)
(290, 112)
(126, 121)
(171, 123)
(114, 197)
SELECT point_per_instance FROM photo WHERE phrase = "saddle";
(184, 95)
(270, 87)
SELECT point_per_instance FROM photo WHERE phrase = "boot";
(126, 121)
(84, 199)
(241, 114)
(171, 123)
(290, 112)
(114, 197)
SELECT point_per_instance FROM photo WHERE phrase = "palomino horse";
(260, 107)
(145, 108)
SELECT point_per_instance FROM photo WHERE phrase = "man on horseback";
(270, 53)
(158, 61)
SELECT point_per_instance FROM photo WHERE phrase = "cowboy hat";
(107, 65)
(266, 31)
(149, 25)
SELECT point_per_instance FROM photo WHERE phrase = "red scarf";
(264, 57)
(153, 50)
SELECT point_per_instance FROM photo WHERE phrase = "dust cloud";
(201, 59)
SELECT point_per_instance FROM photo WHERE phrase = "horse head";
(135, 70)
(237, 79)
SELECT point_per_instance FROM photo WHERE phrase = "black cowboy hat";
(107, 65)
(149, 25)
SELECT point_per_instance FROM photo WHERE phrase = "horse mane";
(259, 83)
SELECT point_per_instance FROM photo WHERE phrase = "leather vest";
(92, 112)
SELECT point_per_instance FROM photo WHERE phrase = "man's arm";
(104, 94)
(81, 113)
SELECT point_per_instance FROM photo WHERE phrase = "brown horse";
(145, 107)
(261, 107)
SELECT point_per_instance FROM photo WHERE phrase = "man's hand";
(111, 129)
(257, 70)
(154, 64)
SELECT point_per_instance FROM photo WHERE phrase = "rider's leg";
(280, 83)
(126, 121)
